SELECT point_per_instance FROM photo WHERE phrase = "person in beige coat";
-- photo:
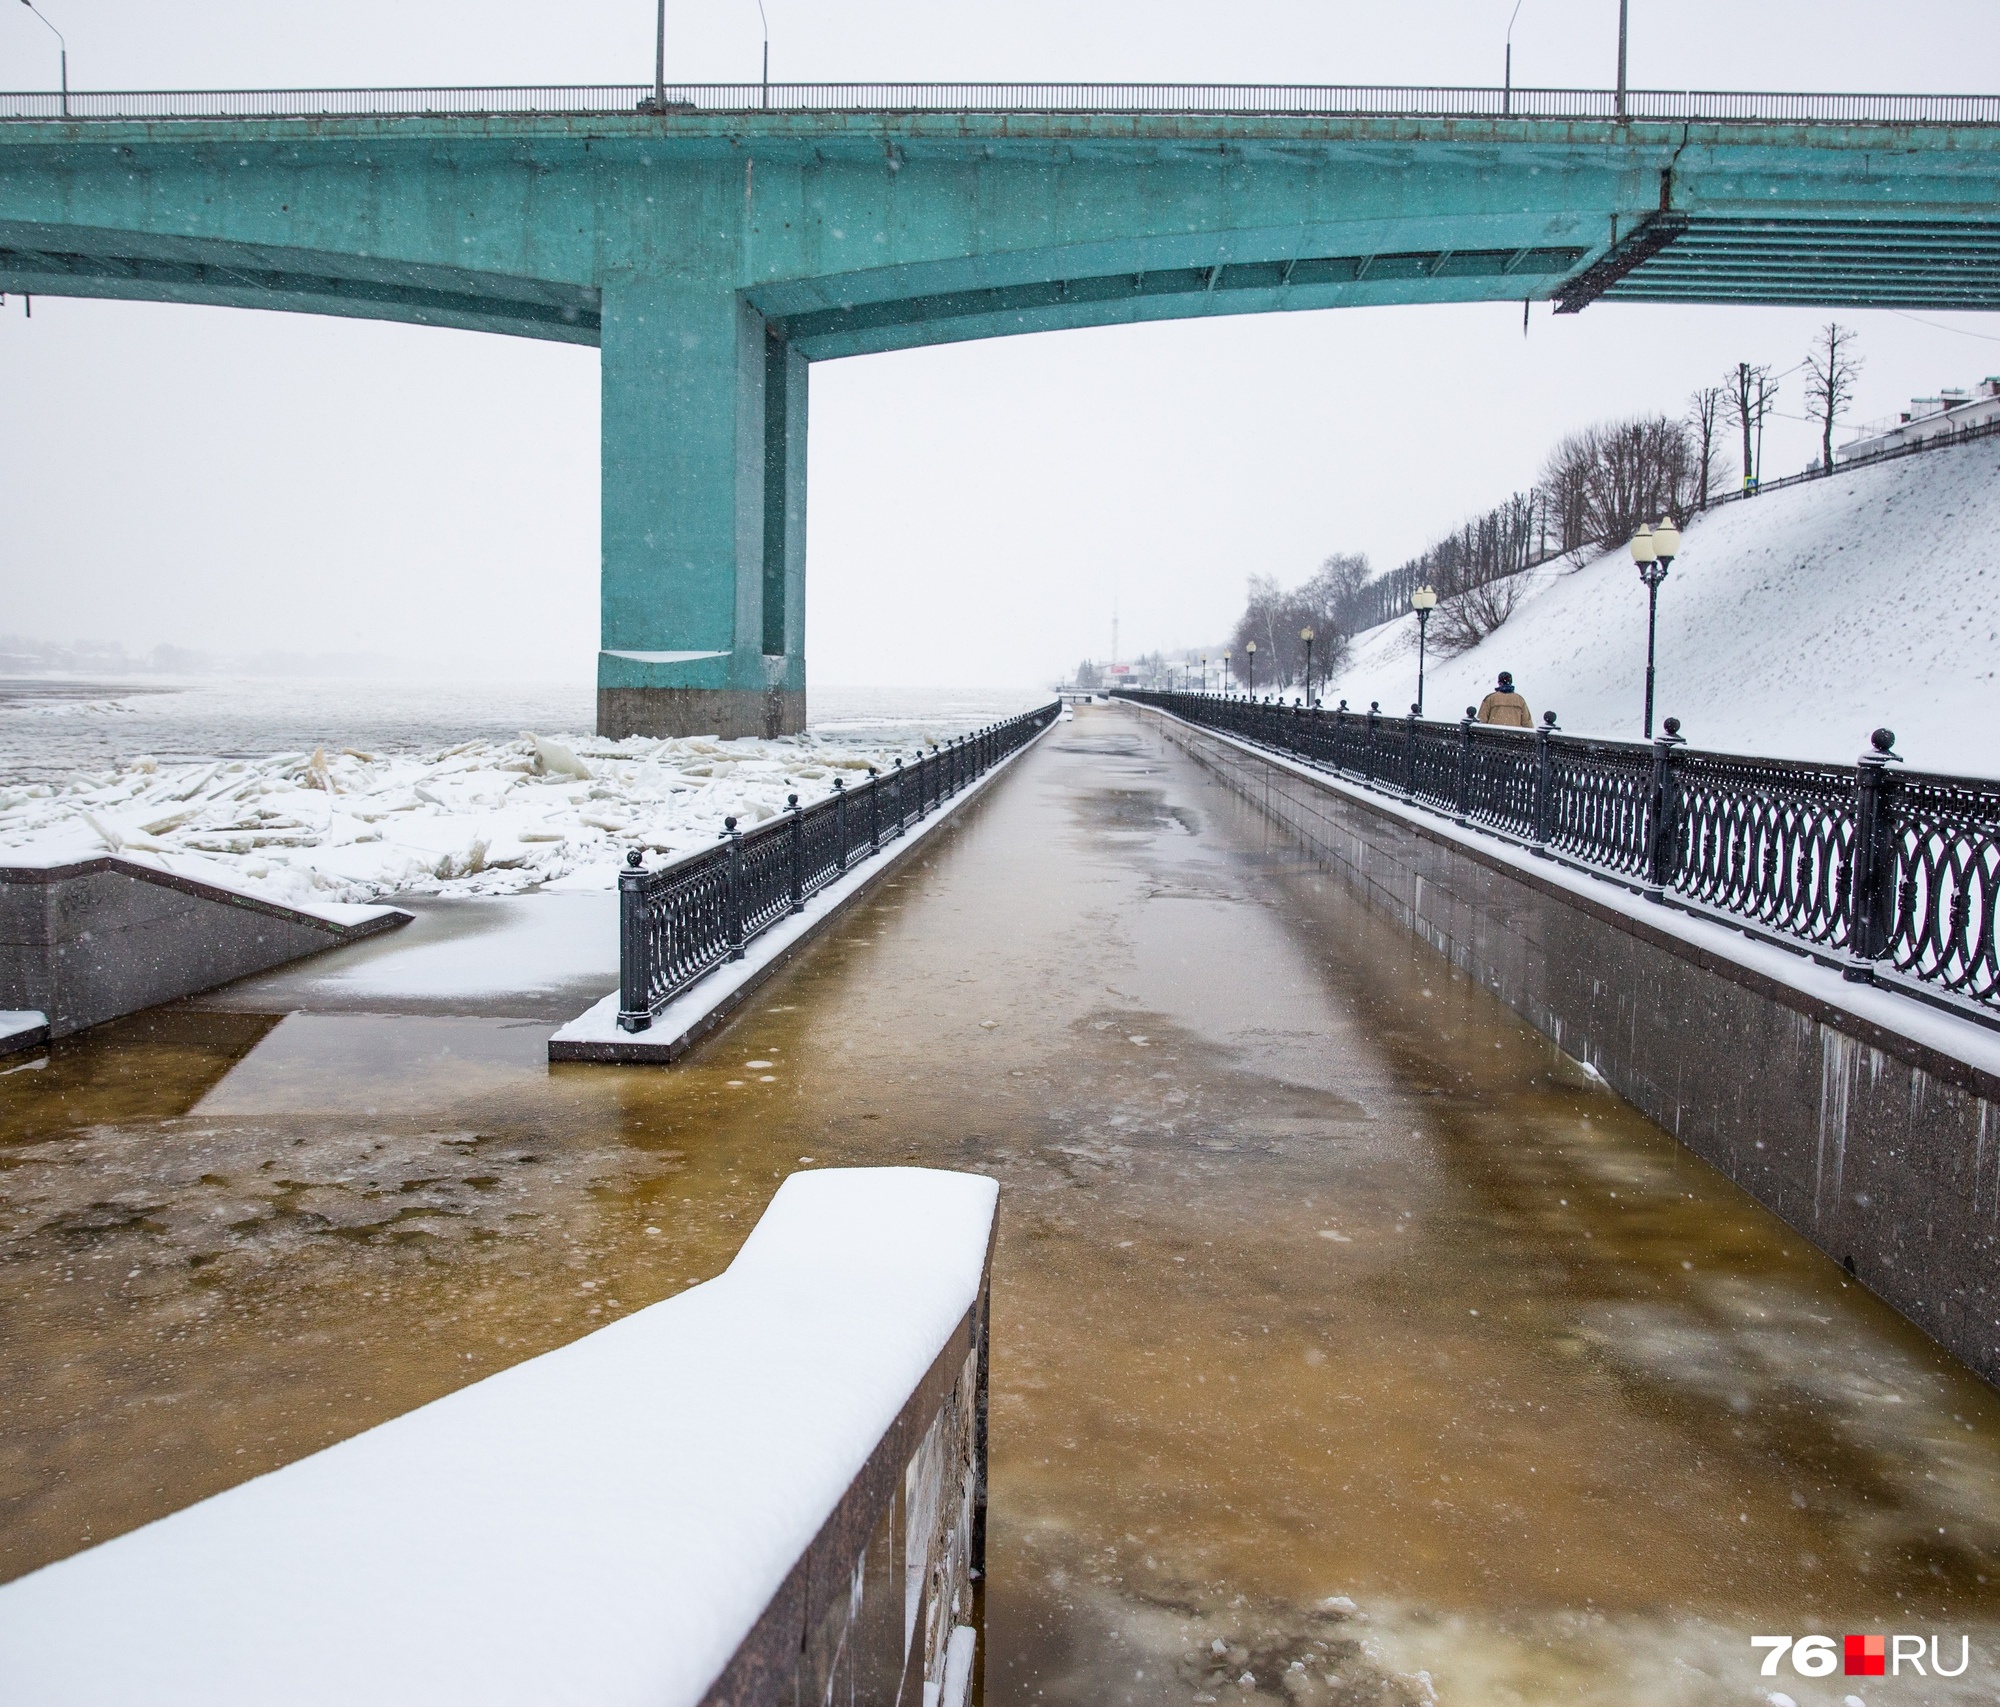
(1505, 707)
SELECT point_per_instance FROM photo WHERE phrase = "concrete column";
(703, 590)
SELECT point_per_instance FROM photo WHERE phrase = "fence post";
(1545, 782)
(798, 854)
(1368, 753)
(1872, 874)
(1410, 755)
(902, 806)
(840, 818)
(874, 811)
(735, 888)
(1663, 815)
(635, 942)
(1461, 784)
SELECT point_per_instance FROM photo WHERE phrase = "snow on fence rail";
(677, 924)
(1310, 99)
(1894, 875)
(769, 1487)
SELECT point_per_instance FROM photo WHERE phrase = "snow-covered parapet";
(770, 1482)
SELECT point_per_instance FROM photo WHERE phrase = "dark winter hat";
(1506, 681)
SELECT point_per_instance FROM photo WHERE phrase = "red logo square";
(1866, 1656)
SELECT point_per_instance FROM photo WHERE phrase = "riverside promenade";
(1348, 1341)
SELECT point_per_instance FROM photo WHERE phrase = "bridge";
(717, 243)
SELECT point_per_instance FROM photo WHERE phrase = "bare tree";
(1565, 489)
(1748, 395)
(1466, 618)
(1830, 376)
(1276, 619)
(1704, 417)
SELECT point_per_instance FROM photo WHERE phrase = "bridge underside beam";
(74, 261)
(1230, 287)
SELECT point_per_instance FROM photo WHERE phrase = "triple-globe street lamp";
(1423, 601)
(1250, 666)
(1653, 550)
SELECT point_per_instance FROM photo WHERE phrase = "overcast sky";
(242, 481)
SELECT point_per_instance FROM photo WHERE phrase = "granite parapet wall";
(1863, 1118)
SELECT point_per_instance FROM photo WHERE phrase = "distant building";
(1950, 411)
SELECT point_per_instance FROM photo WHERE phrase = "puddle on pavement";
(1350, 1343)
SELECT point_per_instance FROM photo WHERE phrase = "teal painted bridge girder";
(714, 256)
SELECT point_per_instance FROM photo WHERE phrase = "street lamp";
(63, 45)
(1204, 672)
(1250, 665)
(1423, 601)
(1653, 549)
(1306, 634)
(1225, 672)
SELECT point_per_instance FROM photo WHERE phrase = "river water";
(1350, 1343)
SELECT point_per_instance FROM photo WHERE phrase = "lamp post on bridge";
(1250, 665)
(1423, 601)
(1653, 550)
(63, 47)
(1306, 634)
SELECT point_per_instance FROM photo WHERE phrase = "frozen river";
(1350, 1343)
(50, 726)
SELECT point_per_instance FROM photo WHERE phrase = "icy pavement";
(483, 817)
(1338, 1320)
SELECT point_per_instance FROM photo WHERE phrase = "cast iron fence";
(1894, 875)
(680, 922)
(1250, 99)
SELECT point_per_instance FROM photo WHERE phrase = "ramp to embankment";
(83, 941)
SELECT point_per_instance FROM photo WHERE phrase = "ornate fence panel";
(1897, 874)
(1434, 765)
(1601, 800)
(1946, 835)
(679, 923)
(1500, 780)
(1770, 839)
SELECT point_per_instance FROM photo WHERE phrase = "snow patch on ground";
(1791, 625)
(483, 817)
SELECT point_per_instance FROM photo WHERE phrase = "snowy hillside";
(1790, 625)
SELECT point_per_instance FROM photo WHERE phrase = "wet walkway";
(1350, 1343)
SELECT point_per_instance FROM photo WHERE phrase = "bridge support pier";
(704, 490)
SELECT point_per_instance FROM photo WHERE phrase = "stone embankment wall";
(1862, 1117)
(91, 939)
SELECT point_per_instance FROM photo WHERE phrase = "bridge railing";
(678, 923)
(1250, 99)
(1893, 876)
